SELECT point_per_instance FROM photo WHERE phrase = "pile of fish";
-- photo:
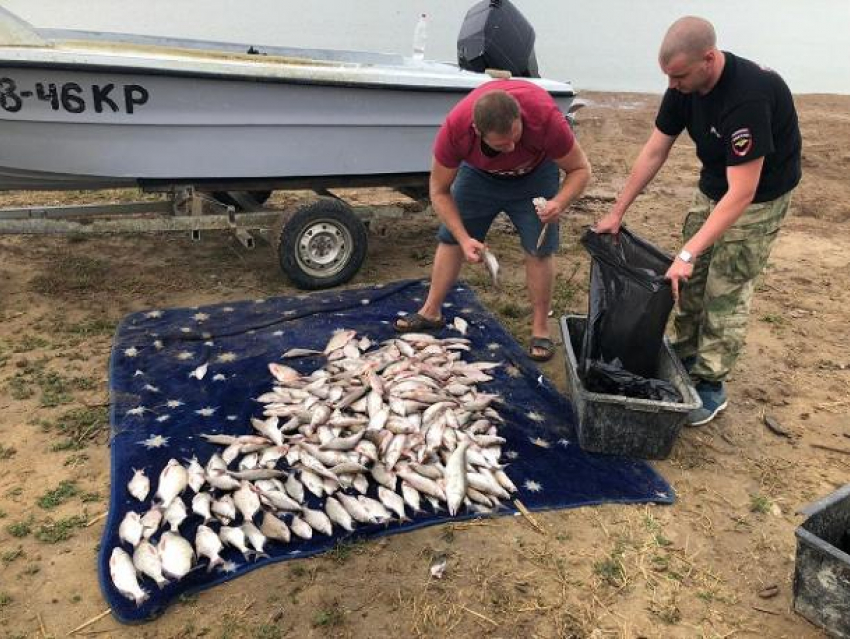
(369, 438)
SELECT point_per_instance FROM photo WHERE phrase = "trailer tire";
(323, 244)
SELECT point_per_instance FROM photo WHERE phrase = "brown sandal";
(415, 323)
(541, 344)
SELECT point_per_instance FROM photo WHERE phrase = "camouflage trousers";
(710, 322)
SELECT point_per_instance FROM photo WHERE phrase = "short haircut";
(495, 112)
(690, 36)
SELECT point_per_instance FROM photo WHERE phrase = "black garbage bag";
(629, 302)
(613, 379)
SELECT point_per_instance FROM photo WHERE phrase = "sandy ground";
(718, 563)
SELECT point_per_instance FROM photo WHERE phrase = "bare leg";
(447, 263)
(539, 276)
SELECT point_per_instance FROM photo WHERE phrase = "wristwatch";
(685, 256)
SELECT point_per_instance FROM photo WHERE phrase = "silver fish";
(456, 478)
(172, 481)
(175, 514)
(246, 500)
(255, 537)
(123, 574)
(235, 537)
(131, 528)
(318, 521)
(225, 509)
(392, 501)
(492, 266)
(146, 560)
(208, 544)
(151, 521)
(176, 554)
(139, 486)
(201, 504)
(274, 528)
(197, 476)
(301, 528)
(338, 514)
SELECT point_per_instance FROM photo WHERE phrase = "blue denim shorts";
(480, 197)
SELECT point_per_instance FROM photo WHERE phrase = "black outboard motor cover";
(495, 35)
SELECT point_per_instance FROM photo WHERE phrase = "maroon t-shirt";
(545, 132)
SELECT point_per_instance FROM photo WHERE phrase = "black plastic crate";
(619, 425)
(822, 567)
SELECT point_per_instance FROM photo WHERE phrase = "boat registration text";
(73, 97)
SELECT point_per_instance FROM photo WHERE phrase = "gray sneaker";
(713, 396)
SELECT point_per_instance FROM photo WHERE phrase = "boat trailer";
(318, 244)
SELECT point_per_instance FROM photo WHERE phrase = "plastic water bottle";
(420, 33)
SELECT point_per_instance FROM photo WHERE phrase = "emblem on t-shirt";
(742, 142)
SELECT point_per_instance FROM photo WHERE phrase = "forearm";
(730, 207)
(647, 165)
(448, 213)
(573, 186)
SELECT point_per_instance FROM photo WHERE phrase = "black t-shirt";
(747, 115)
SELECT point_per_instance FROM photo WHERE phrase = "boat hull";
(117, 129)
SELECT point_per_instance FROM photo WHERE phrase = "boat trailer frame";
(319, 245)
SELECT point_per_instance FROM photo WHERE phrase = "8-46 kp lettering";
(74, 98)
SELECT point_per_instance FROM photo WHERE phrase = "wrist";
(686, 256)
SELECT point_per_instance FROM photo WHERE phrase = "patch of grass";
(87, 328)
(662, 541)
(5, 599)
(59, 495)
(759, 504)
(268, 631)
(331, 615)
(10, 555)
(76, 460)
(76, 599)
(56, 389)
(611, 568)
(87, 498)
(511, 309)
(298, 570)
(564, 291)
(19, 388)
(71, 274)
(773, 318)
(342, 551)
(84, 424)
(53, 532)
(29, 343)
(187, 600)
(20, 529)
(2, 514)
(7, 452)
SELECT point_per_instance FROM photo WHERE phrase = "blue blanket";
(158, 411)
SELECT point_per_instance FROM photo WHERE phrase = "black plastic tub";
(822, 567)
(619, 425)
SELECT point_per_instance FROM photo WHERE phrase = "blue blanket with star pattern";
(159, 409)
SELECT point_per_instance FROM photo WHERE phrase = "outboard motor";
(495, 35)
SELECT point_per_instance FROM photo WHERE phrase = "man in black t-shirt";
(742, 119)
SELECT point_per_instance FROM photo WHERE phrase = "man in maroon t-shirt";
(497, 150)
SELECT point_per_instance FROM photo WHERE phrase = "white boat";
(92, 110)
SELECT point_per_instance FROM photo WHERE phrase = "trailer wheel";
(322, 245)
